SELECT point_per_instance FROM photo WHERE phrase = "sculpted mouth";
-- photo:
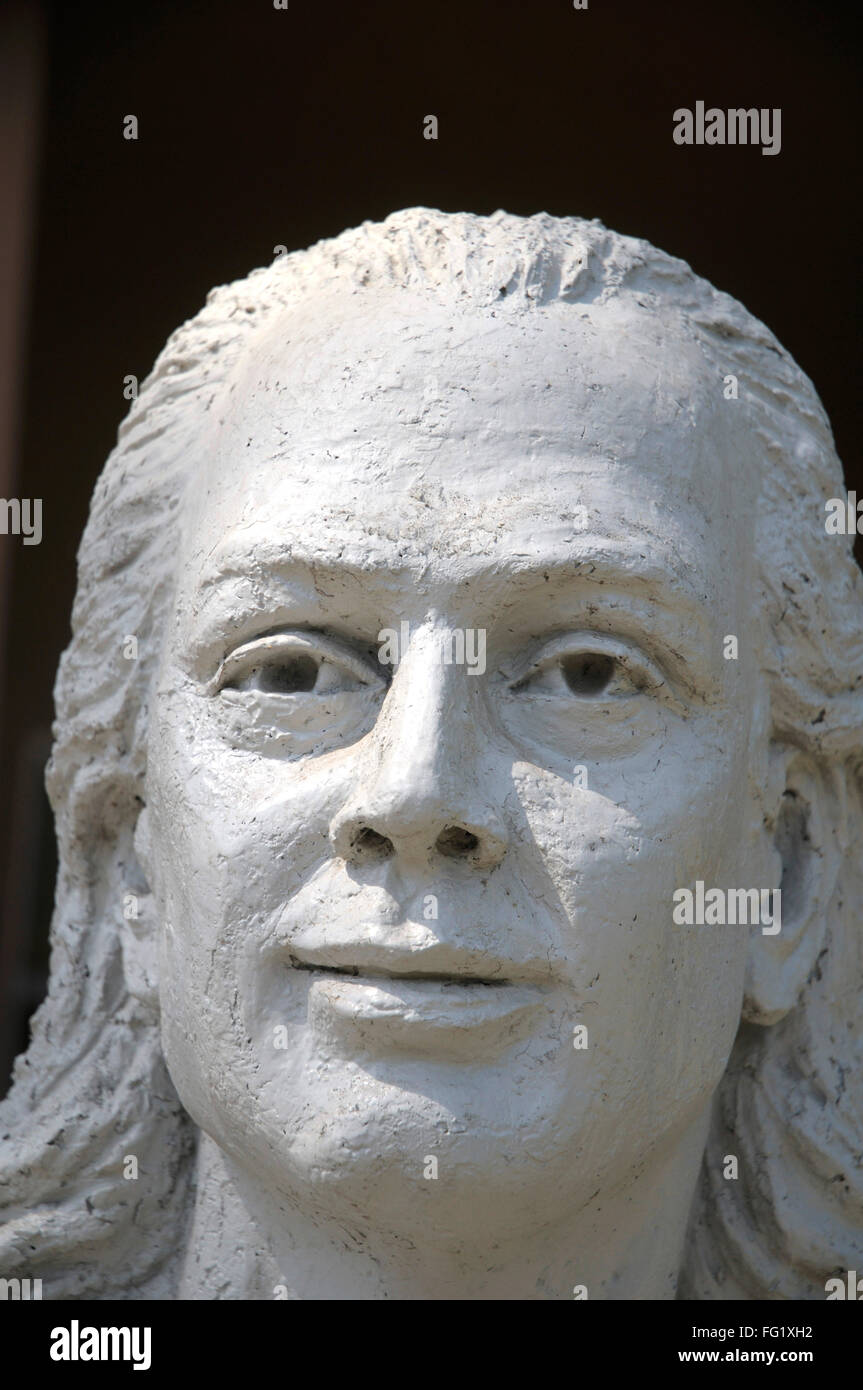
(389, 989)
(366, 955)
(379, 973)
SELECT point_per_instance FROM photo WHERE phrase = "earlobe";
(802, 849)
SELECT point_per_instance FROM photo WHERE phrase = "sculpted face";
(389, 895)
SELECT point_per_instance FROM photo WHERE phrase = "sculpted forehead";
(406, 425)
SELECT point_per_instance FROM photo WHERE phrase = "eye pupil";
(588, 673)
(290, 677)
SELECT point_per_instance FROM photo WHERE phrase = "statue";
(456, 604)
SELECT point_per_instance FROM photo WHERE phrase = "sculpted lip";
(436, 997)
(439, 962)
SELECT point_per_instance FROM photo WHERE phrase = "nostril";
(371, 845)
(455, 842)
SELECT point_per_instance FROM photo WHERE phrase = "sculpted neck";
(623, 1245)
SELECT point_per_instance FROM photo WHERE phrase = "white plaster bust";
(404, 1011)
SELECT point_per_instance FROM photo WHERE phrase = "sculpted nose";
(422, 793)
(360, 843)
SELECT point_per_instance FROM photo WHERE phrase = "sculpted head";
(399, 925)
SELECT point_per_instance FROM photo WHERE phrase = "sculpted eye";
(299, 673)
(569, 667)
(294, 664)
(588, 673)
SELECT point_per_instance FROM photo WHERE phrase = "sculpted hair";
(93, 1089)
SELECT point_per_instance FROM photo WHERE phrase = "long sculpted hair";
(92, 1091)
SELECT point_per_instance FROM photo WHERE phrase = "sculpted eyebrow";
(277, 577)
(604, 567)
(245, 592)
(605, 560)
(669, 588)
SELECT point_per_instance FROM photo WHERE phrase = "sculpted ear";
(803, 834)
(140, 937)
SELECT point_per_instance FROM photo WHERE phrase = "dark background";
(260, 126)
